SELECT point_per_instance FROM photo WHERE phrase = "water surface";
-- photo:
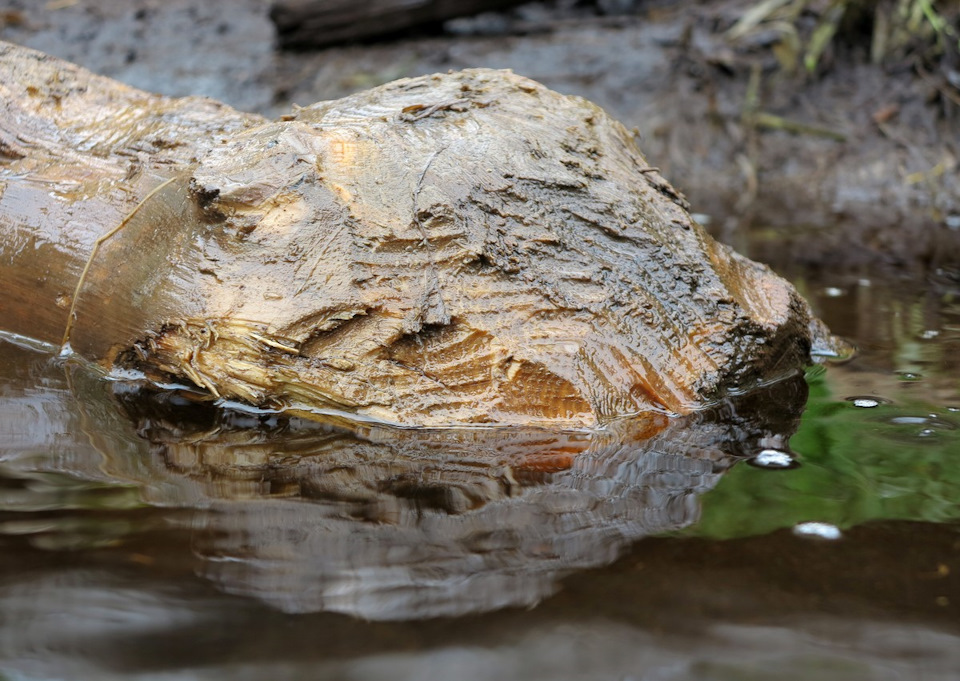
(805, 530)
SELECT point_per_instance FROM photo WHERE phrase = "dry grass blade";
(754, 17)
(823, 35)
(774, 122)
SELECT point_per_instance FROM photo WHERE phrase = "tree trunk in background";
(318, 23)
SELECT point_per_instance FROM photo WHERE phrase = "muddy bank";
(867, 176)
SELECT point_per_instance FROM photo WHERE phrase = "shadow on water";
(144, 534)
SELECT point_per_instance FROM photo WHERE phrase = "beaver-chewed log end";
(469, 248)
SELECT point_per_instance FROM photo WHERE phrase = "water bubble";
(908, 420)
(774, 459)
(954, 409)
(867, 401)
(833, 292)
(909, 376)
(929, 334)
(817, 531)
(933, 421)
(910, 428)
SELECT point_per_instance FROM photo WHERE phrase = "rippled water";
(805, 531)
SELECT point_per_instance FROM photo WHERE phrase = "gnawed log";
(320, 23)
(78, 152)
(468, 248)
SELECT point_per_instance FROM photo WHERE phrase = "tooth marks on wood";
(467, 248)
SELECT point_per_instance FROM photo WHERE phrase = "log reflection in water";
(404, 524)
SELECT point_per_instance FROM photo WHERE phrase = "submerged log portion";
(468, 248)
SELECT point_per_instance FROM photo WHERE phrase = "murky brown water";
(159, 539)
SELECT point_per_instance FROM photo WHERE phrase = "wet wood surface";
(469, 248)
